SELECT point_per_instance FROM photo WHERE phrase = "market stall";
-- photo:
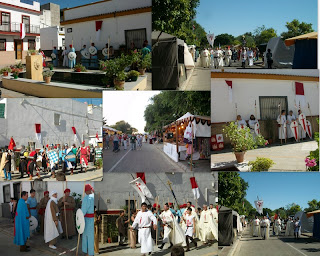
(188, 136)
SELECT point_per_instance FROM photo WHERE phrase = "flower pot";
(239, 156)
(33, 53)
(5, 73)
(134, 78)
(47, 79)
(270, 141)
(78, 69)
(119, 84)
(109, 240)
(51, 68)
(15, 76)
(142, 71)
(20, 69)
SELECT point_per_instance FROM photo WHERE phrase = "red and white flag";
(210, 38)
(142, 175)
(229, 83)
(259, 206)
(12, 144)
(97, 136)
(74, 132)
(98, 29)
(141, 188)
(22, 31)
(300, 97)
(195, 188)
(38, 131)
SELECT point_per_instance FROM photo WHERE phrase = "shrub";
(47, 73)
(261, 164)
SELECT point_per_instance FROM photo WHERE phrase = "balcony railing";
(15, 27)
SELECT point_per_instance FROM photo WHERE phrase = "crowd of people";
(261, 227)
(55, 218)
(32, 162)
(177, 228)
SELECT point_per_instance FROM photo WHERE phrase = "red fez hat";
(70, 45)
(156, 205)
(45, 192)
(88, 187)
(183, 206)
(67, 190)
(170, 204)
(83, 142)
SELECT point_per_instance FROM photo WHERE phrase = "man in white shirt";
(290, 118)
(282, 122)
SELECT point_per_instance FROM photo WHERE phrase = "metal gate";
(270, 106)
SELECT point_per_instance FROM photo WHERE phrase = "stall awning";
(291, 41)
(310, 214)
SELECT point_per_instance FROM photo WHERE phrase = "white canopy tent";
(306, 223)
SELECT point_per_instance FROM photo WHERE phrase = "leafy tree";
(232, 190)
(168, 106)
(292, 209)
(313, 206)
(263, 34)
(281, 212)
(223, 39)
(124, 127)
(269, 211)
(297, 28)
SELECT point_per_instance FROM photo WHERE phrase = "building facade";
(13, 49)
(18, 119)
(123, 22)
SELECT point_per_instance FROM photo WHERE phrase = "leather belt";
(89, 215)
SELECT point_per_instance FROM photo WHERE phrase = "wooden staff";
(134, 200)
(236, 110)
(79, 233)
(310, 115)
(108, 47)
(157, 202)
(299, 122)
(280, 122)
(65, 212)
(191, 147)
(255, 109)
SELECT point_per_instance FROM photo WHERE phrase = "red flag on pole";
(38, 131)
(195, 188)
(74, 132)
(12, 144)
(142, 176)
(97, 136)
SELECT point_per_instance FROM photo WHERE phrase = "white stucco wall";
(247, 91)
(50, 37)
(35, 6)
(23, 114)
(112, 27)
(105, 7)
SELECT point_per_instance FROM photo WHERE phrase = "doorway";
(18, 47)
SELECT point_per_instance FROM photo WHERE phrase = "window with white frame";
(57, 119)
(3, 43)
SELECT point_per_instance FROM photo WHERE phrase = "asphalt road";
(148, 159)
(277, 246)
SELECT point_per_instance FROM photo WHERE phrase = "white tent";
(199, 129)
(188, 59)
(239, 224)
(306, 223)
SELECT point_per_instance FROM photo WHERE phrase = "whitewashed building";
(13, 190)
(123, 21)
(52, 34)
(18, 119)
(13, 13)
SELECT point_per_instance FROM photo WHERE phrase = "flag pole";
(310, 115)
(280, 121)
(79, 233)
(191, 146)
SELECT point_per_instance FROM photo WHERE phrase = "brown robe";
(54, 210)
(71, 227)
(41, 210)
(96, 232)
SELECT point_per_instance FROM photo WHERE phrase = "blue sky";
(96, 102)
(237, 17)
(281, 189)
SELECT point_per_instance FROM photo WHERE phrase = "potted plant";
(133, 75)
(47, 74)
(119, 80)
(144, 63)
(79, 68)
(261, 164)
(50, 66)
(33, 52)
(242, 140)
(5, 71)
(19, 66)
(270, 129)
(15, 73)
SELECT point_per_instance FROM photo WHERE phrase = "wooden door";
(18, 48)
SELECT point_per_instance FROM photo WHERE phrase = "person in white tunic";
(52, 224)
(302, 133)
(173, 233)
(143, 221)
(205, 58)
(65, 57)
(250, 57)
(290, 118)
(189, 219)
(297, 228)
(252, 122)
(240, 122)
(282, 123)
(220, 58)
(216, 58)
(243, 57)
(256, 227)
(196, 219)
(207, 230)
(215, 215)
(227, 58)
(264, 226)
(277, 227)
(289, 228)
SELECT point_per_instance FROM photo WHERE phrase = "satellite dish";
(85, 54)
(33, 223)
(80, 223)
(93, 50)
(72, 55)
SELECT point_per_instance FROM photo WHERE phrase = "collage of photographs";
(159, 127)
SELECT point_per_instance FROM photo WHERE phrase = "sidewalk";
(198, 80)
(36, 243)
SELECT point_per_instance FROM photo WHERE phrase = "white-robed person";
(243, 57)
(207, 230)
(52, 225)
(189, 219)
(172, 232)
(215, 215)
(282, 123)
(240, 122)
(250, 57)
(290, 118)
(196, 218)
(220, 58)
(289, 227)
(302, 133)
(264, 226)
(143, 221)
(256, 227)
(65, 57)
(277, 227)
(252, 122)
(227, 57)
(205, 58)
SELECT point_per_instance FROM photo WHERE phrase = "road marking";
(297, 249)
(119, 161)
